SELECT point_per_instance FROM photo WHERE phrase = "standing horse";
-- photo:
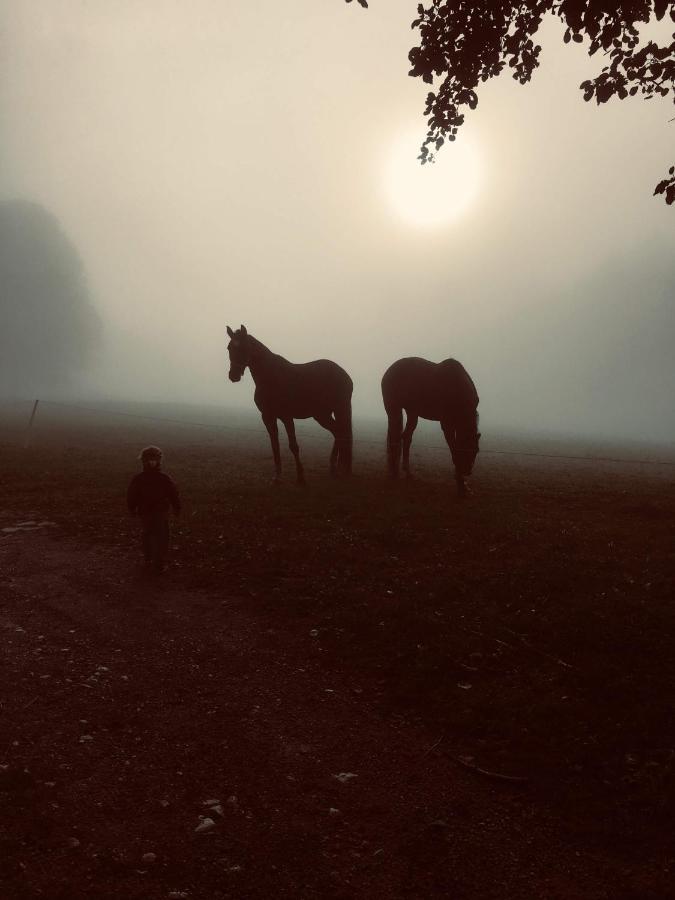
(442, 392)
(320, 390)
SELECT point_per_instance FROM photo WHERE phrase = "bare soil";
(495, 674)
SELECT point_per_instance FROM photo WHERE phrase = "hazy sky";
(218, 163)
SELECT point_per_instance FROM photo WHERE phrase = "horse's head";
(238, 348)
(465, 451)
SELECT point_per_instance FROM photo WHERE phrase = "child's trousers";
(155, 539)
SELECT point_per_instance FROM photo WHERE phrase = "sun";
(435, 194)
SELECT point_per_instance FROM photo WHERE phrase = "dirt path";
(128, 704)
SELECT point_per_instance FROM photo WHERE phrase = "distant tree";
(464, 43)
(49, 327)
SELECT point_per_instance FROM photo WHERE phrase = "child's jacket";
(151, 493)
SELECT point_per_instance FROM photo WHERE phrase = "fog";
(216, 164)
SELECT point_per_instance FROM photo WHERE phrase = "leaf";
(603, 92)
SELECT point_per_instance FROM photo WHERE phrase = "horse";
(321, 390)
(442, 392)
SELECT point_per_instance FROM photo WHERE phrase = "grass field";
(528, 630)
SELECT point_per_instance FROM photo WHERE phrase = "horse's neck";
(262, 362)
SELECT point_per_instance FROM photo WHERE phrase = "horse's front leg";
(289, 425)
(273, 431)
(461, 486)
(333, 461)
(410, 426)
(328, 422)
(394, 431)
(449, 432)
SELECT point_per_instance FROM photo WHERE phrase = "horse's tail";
(343, 429)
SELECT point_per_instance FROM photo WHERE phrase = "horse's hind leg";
(410, 426)
(289, 425)
(273, 431)
(328, 422)
(394, 432)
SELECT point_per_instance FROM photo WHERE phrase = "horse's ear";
(244, 331)
(230, 333)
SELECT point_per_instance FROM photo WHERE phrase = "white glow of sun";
(437, 193)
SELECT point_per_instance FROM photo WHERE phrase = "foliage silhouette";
(49, 326)
(465, 43)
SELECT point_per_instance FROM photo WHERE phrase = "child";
(150, 494)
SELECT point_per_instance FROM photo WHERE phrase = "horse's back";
(324, 369)
(306, 390)
(403, 371)
(426, 388)
(322, 380)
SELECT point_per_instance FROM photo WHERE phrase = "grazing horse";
(320, 390)
(442, 392)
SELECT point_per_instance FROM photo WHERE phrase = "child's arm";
(174, 499)
(132, 496)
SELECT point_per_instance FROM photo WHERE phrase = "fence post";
(26, 441)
